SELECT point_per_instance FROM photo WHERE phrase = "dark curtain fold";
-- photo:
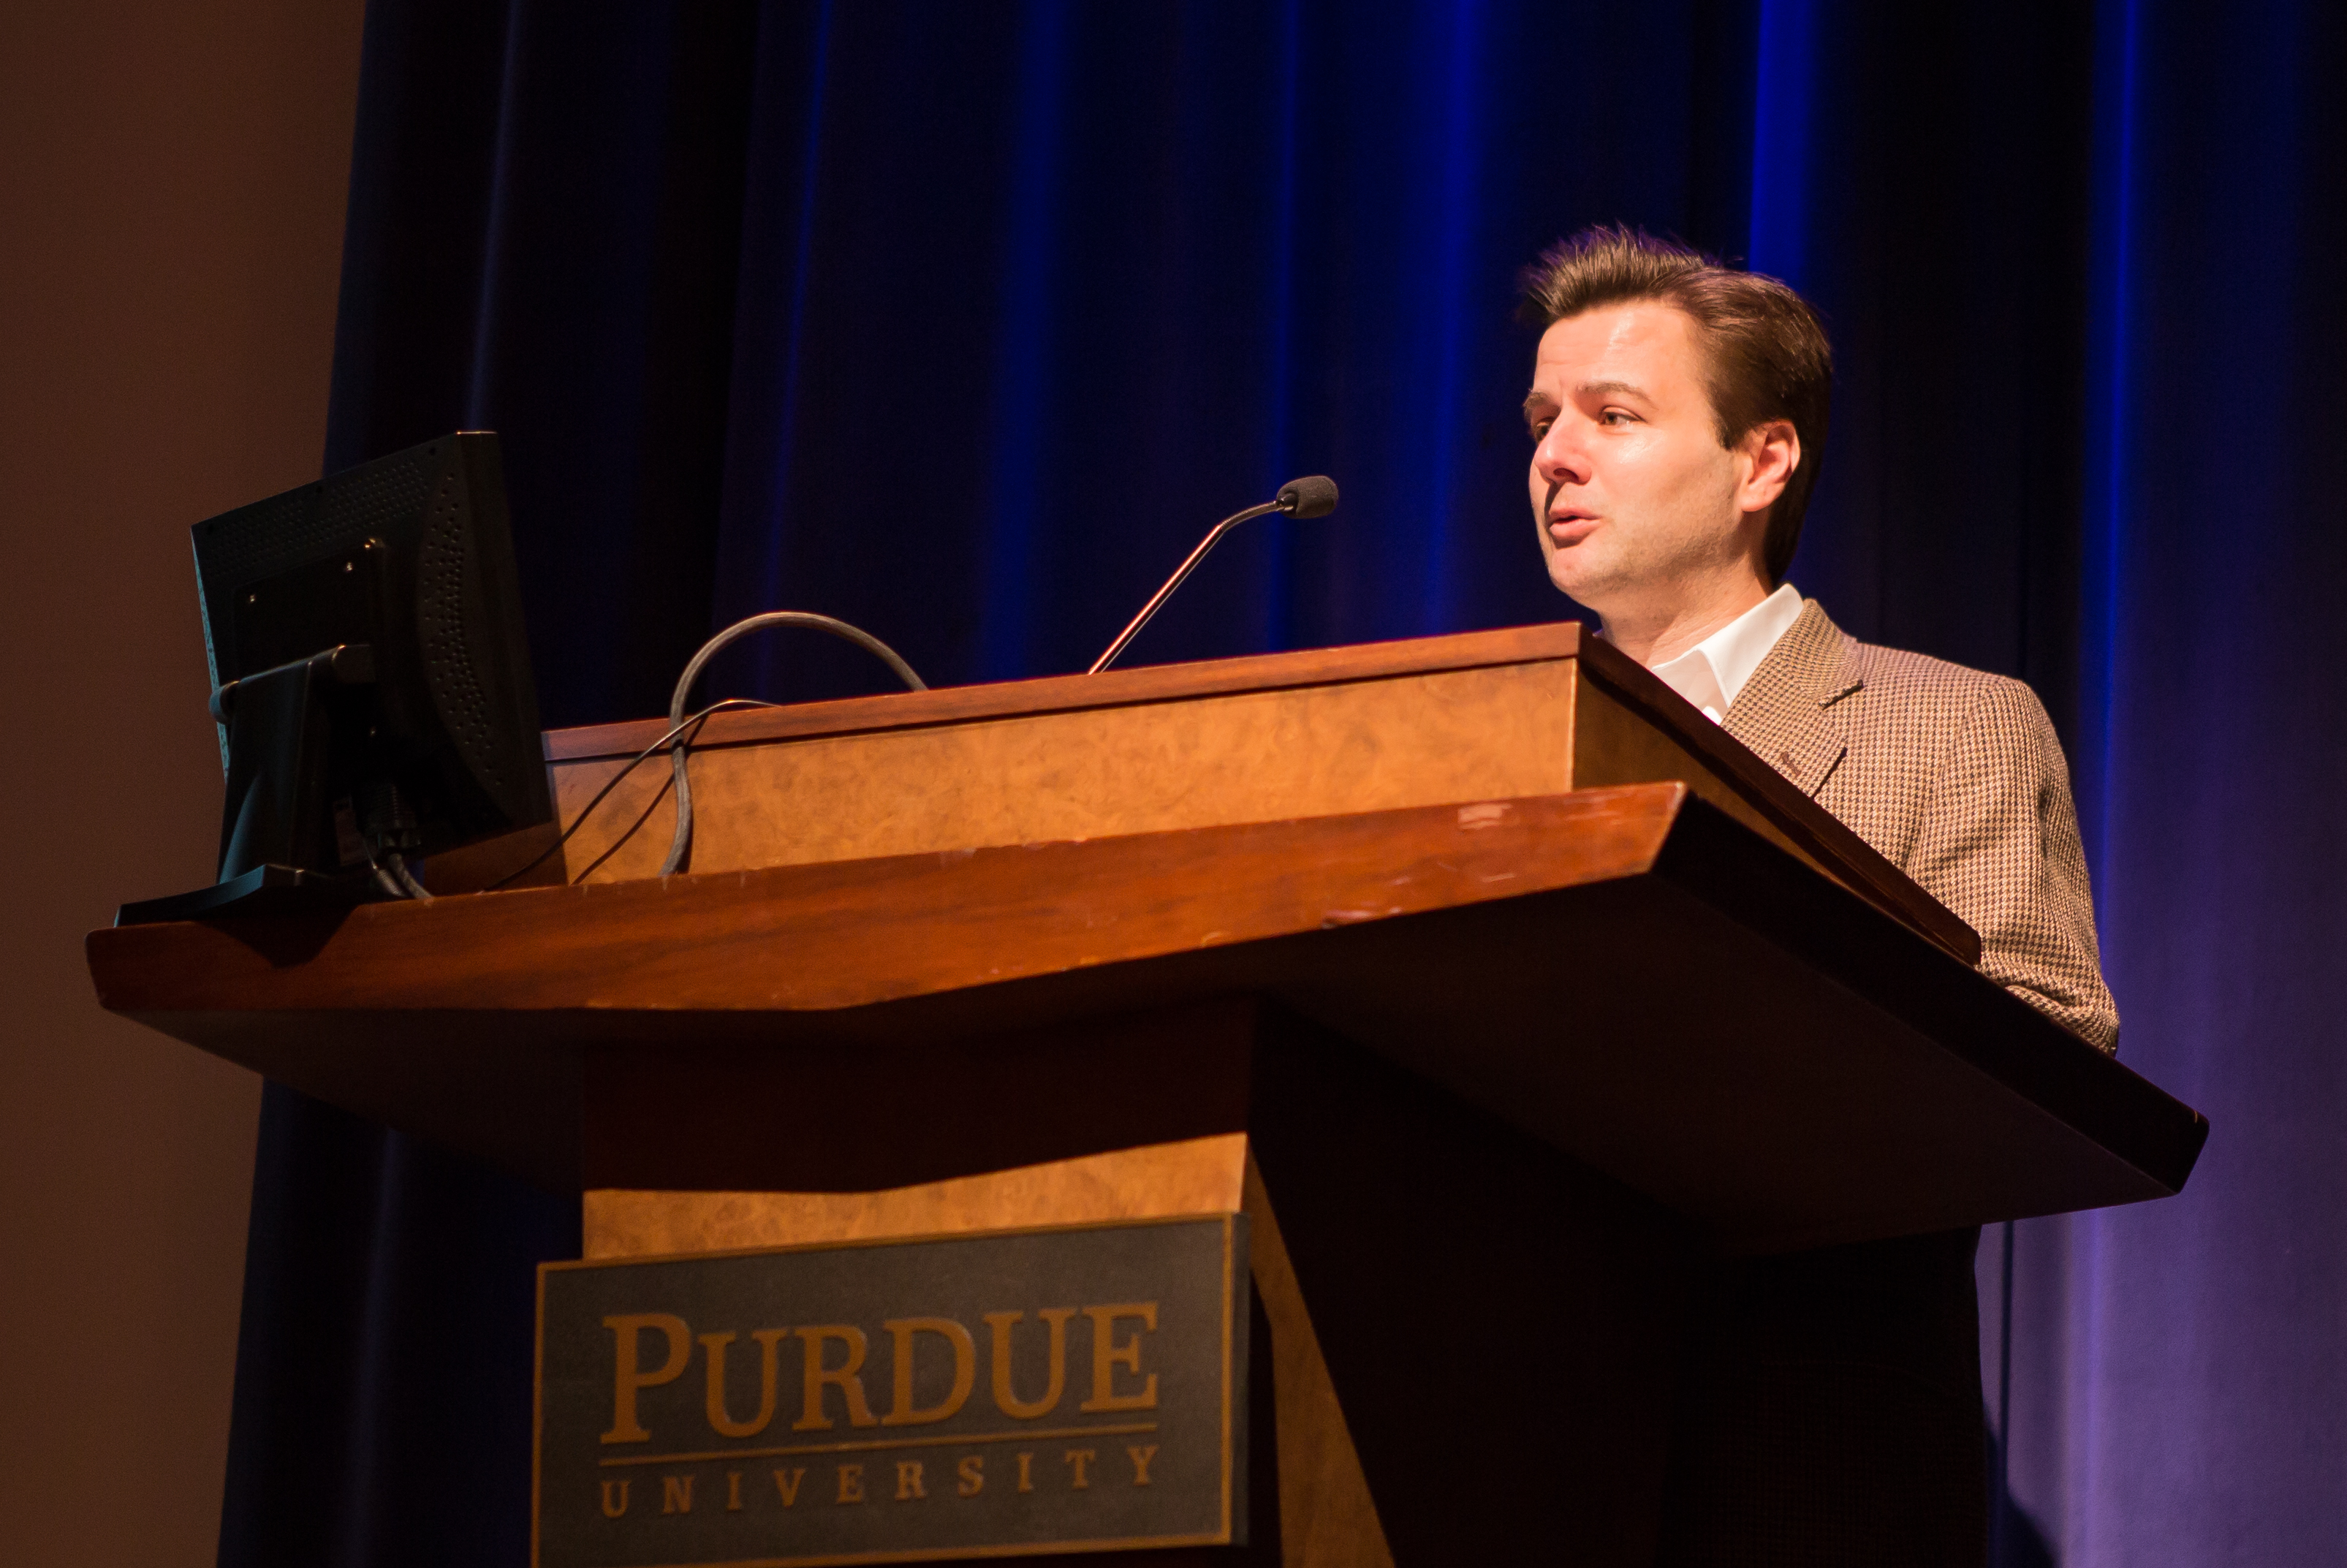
(2187, 1368)
(964, 322)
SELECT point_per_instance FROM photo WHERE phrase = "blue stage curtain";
(964, 322)
(2186, 1398)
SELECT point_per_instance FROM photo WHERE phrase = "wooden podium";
(1496, 986)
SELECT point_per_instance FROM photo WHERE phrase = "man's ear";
(1772, 451)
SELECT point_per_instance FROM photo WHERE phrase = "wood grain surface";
(1155, 1180)
(848, 934)
(1628, 974)
(1134, 685)
(1327, 1517)
(1203, 759)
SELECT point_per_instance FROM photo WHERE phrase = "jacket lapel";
(1787, 712)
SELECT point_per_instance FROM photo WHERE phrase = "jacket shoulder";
(1897, 667)
(1942, 694)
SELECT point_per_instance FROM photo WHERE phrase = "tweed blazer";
(1957, 777)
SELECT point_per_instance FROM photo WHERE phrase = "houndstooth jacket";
(1957, 777)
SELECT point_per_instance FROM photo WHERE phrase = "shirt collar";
(1713, 671)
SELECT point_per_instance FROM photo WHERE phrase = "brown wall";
(172, 178)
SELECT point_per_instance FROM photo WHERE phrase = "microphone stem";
(1180, 573)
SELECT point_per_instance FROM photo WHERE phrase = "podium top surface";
(1627, 973)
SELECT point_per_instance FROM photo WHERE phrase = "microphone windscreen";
(1312, 498)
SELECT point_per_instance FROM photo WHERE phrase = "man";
(1679, 415)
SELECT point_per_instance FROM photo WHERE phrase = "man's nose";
(1558, 457)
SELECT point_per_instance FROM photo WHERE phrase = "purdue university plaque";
(1051, 1390)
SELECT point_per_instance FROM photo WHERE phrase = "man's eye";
(1540, 428)
(1616, 416)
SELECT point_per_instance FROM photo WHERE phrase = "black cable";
(392, 877)
(681, 845)
(394, 866)
(619, 840)
(613, 781)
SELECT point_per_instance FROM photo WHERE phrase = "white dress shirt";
(1710, 673)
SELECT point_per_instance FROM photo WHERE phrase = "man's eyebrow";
(1537, 402)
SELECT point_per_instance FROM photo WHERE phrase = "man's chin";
(1589, 589)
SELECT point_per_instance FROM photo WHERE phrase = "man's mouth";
(1568, 527)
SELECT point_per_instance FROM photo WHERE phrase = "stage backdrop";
(964, 321)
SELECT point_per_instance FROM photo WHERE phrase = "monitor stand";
(263, 890)
(295, 734)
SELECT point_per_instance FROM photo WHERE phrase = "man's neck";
(1660, 633)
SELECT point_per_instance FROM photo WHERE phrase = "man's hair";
(1765, 349)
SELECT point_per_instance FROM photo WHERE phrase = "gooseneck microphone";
(1311, 497)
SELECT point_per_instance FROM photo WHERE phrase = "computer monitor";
(372, 680)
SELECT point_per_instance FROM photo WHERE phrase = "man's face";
(1635, 498)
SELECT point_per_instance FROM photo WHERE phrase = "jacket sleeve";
(1999, 845)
